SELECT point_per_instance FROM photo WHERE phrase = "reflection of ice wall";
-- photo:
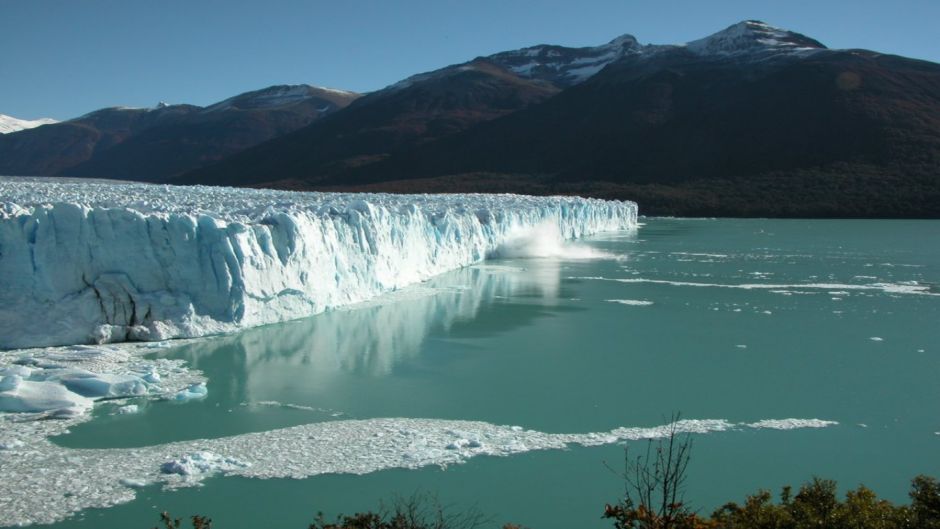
(373, 338)
(83, 262)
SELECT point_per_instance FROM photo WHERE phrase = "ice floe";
(631, 302)
(64, 382)
(909, 287)
(86, 478)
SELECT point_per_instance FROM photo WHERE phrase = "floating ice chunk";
(26, 396)
(201, 463)
(18, 370)
(877, 339)
(790, 424)
(912, 287)
(153, 377)
(11, 445)
(194, 391)
(127, 410)
(134, 483)
(102, 385)
(631, 302)
(465, 443)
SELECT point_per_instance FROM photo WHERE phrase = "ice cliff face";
(84, 262)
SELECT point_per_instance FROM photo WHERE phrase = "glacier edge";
(97, 262)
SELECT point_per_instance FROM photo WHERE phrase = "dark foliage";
(198, 522)
(415, 512)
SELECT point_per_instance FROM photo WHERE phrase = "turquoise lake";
(742, 320)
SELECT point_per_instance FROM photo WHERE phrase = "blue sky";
(63, 58)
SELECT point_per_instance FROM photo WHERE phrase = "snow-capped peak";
(753, 36)
(10, 124)
(565, 66)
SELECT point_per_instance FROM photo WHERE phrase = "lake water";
(741, 320)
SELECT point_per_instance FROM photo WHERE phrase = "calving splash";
(545, 240)
(96, 262)
(101, 478)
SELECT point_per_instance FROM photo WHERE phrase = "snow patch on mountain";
(754, 36)
(566, 66)
(10, 124)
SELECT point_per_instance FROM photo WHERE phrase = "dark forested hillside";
(749, 121)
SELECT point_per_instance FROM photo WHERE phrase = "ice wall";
(84, 262)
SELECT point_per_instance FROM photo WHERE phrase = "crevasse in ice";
(84, 262)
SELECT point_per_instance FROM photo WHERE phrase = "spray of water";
(545, 241)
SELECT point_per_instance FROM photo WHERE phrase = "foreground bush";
(416, 512)
(815, 506)
(654, 499)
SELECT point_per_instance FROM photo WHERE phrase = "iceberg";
(201, 463)
(27, 396)
(65, 383)
(95, 262)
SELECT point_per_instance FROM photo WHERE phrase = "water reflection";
(360, 361)
(372, 338)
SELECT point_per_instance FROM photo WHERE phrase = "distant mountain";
(753, 120)
(414, 111)
(10, 124)
(417, 111)
(164, 141)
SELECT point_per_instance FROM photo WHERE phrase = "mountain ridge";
(752, 120)
(165, 140)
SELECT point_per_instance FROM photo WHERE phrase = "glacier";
(95, 262)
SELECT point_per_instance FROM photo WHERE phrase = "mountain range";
(750, 121)
(154, 144)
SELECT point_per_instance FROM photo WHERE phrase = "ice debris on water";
(133, 483)
(64, 382)
(110, 262)
(345, 446)
(29, 396)
(194, 391)
(632, 302)
(11, 445)
(201, 463)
